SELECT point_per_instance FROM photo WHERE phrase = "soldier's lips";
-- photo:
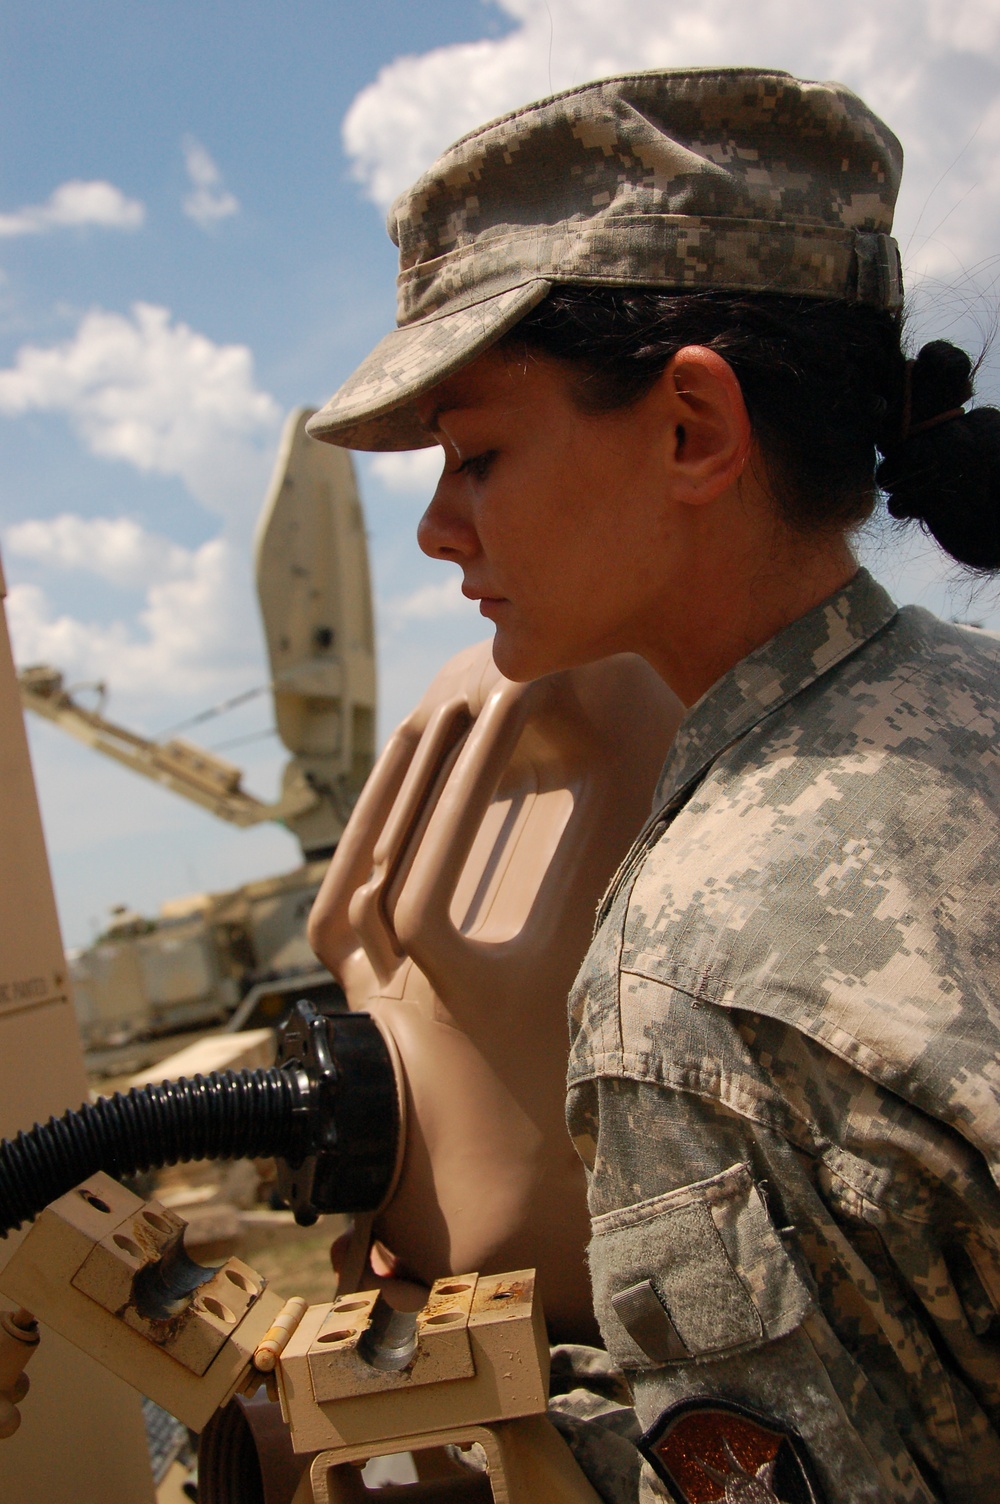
(489, 604)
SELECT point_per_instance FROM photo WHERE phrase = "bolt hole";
(95, 1201)
(451, 1289)
(237, 1279)
(334, 1336)
(443, 1318)
(217, 1309)
(127, 1246)
(352, 1305)
(160, 1223)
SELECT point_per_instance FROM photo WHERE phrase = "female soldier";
(654, 323)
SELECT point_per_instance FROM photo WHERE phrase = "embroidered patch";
(711, 1450)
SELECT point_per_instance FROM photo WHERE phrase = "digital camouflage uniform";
(785, 1068)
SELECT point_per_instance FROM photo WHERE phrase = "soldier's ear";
(706, 428)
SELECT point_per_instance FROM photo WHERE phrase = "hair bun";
(940, 380)
(948, 478)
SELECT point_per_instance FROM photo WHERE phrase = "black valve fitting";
(349, 1086)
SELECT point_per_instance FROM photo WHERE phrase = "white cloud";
(76, 203)
(430, 603)
(208, 202)
(165, 399)
(115, 549)
(930, 67)
(196, 634)
(160, 396)
(409, 470)
(970, 24)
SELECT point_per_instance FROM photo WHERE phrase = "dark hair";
(828, 390)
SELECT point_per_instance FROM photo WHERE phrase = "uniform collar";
(772, 675)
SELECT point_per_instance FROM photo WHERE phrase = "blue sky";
(191, 243)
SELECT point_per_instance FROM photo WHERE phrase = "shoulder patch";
(712, 1450)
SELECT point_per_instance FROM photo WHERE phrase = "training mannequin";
(456, 911)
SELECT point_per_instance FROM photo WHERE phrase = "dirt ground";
(297, 1262)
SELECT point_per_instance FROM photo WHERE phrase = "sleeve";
(741, 1388)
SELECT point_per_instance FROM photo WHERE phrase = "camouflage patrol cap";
(735, 178)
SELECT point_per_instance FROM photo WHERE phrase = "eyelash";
(478, 465)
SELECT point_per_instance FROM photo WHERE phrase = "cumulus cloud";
(416, 470)
(115, 549)
(76, 203)
(161, 396)
(930, 67)
(196, 633)
(151, 392)
(208, 202)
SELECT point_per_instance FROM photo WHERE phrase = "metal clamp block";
(108, 1271)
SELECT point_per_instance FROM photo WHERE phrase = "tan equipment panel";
(82, 1436)
(315, 598)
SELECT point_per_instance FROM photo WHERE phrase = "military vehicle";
(205, 955)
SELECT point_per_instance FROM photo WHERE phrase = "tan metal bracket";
(527, 1462)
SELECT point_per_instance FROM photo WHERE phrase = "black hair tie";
(907, 428)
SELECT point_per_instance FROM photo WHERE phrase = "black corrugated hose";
(225, 1115)
(328, 1112)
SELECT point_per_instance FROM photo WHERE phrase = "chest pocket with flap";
(695, 1273)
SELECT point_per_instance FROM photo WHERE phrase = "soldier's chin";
(519, 659)
(514, 659)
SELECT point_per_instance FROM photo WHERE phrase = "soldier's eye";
(478, 465)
